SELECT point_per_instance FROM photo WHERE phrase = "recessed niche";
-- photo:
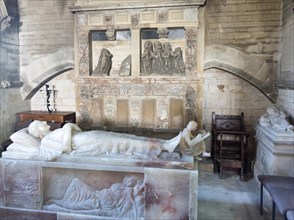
(109, 50)
(162, 51)
(122, 114)
(148, 112)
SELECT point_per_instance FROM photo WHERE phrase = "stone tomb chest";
(103, 188)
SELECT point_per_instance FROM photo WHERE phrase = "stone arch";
(41, 71)
(254, 69)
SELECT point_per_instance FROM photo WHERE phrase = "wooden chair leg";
(221, 172)
(242, 158)
(274, 210)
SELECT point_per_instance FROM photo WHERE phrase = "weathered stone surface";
(22, 185)
(35, 185)
(275, 152)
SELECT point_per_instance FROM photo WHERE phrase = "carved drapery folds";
(120, 200)
(104, 63)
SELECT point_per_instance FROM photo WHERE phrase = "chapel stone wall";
(286, 77)
(253, 27)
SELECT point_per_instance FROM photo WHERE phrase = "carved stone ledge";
(94, 5)
(283, 84)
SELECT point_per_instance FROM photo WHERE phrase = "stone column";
(136, 51)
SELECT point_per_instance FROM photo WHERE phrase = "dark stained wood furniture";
(229, 143)
(53, 117)
(281, 189)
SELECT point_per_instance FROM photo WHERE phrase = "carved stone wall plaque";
(153, 50)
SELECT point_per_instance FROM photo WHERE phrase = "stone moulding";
(38, 73)
(94, 5)
(253, 69)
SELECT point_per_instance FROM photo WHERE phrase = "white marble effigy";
(101, 187)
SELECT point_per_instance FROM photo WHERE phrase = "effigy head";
(39, 129)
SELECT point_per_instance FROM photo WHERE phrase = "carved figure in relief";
(146, 57)
(193, 146)
(277, 119)
(158, 64)
(168, 55)
(121, 200)
(72, 140)
(178, 61)
(160, 59)
(104, 63)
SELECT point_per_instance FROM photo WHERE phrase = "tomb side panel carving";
(22, 186)
(99, 193)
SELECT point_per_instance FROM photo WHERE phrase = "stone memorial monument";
(275, 149)
(101, 173)
(137, 66)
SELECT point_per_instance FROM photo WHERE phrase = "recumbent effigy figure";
(121, 200)
(276, 119)
(38, 142)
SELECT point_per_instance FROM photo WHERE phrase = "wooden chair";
(229, 143)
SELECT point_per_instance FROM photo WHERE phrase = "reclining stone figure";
(38, 142)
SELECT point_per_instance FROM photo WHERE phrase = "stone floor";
(230, 199)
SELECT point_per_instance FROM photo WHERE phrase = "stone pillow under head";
(24, 138)
(22, 148)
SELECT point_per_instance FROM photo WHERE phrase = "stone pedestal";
(275, 152)
(274, 155)
(169, 189)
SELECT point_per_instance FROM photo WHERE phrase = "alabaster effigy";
(127, 177)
